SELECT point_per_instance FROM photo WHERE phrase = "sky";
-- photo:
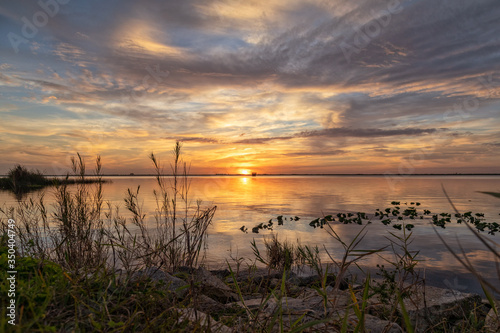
(274, 86)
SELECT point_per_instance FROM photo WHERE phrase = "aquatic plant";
(402, 276)
(280, 255)
(391, 216)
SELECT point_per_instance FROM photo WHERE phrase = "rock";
(312, 307)
(309, 280)
(213, 287)
(292, 306)
(154, 273)
(255, 274)
(292, 311)
(308, 307)
(265, 284)
(372, 324)
(275, 283)
(439, 305)
(312, 301)
(265, 280)
(174, 284)
(377, 325)
(294, 279)
(202, 319)
(208, 279)
(251, 304)
(208, 304)
(221, 273)
(430, 307)
(492, 321)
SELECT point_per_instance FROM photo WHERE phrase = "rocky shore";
(267, 300)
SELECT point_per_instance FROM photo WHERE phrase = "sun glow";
(244, 172)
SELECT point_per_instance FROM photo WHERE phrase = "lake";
(248, 201)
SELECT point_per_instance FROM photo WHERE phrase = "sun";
(245, 171)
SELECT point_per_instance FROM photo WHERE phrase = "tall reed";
(83, 233)
(181, 227)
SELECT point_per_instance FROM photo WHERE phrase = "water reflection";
(252, 200)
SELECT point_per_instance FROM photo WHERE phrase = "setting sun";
(244, 172)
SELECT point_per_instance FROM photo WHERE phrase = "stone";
(293, 310)
(292, 306)
(439, 304)
(172, 283)
(377, 325)
(208, 304)
(202, 319)
(221, 273)
(255, 274)
(372, 324)
(251, 304)
(275, 283)
(492, 321)
(308, 307)
(213, 287)
(309, 280)
(312, 307)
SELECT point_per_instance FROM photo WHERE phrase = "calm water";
(251, 200)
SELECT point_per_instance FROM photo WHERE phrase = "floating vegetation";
(399, 212)
(269, 225)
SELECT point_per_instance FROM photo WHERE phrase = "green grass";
(50, 299)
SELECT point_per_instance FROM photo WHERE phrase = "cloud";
(342, 132)
(194, 139)
(492, 144)
(8, 108)
(366, 132)
(262, 140)
(318, 153)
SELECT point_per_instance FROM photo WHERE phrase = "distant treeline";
(20, 180)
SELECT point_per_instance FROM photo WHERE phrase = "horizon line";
(282, 174)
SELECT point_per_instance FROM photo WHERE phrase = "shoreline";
(291, 174)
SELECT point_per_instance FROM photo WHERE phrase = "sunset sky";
(275, 86)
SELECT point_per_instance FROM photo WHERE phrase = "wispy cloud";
(318, 153)
(342, 132)
(193, 139)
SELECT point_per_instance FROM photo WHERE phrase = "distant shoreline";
(292, 174)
